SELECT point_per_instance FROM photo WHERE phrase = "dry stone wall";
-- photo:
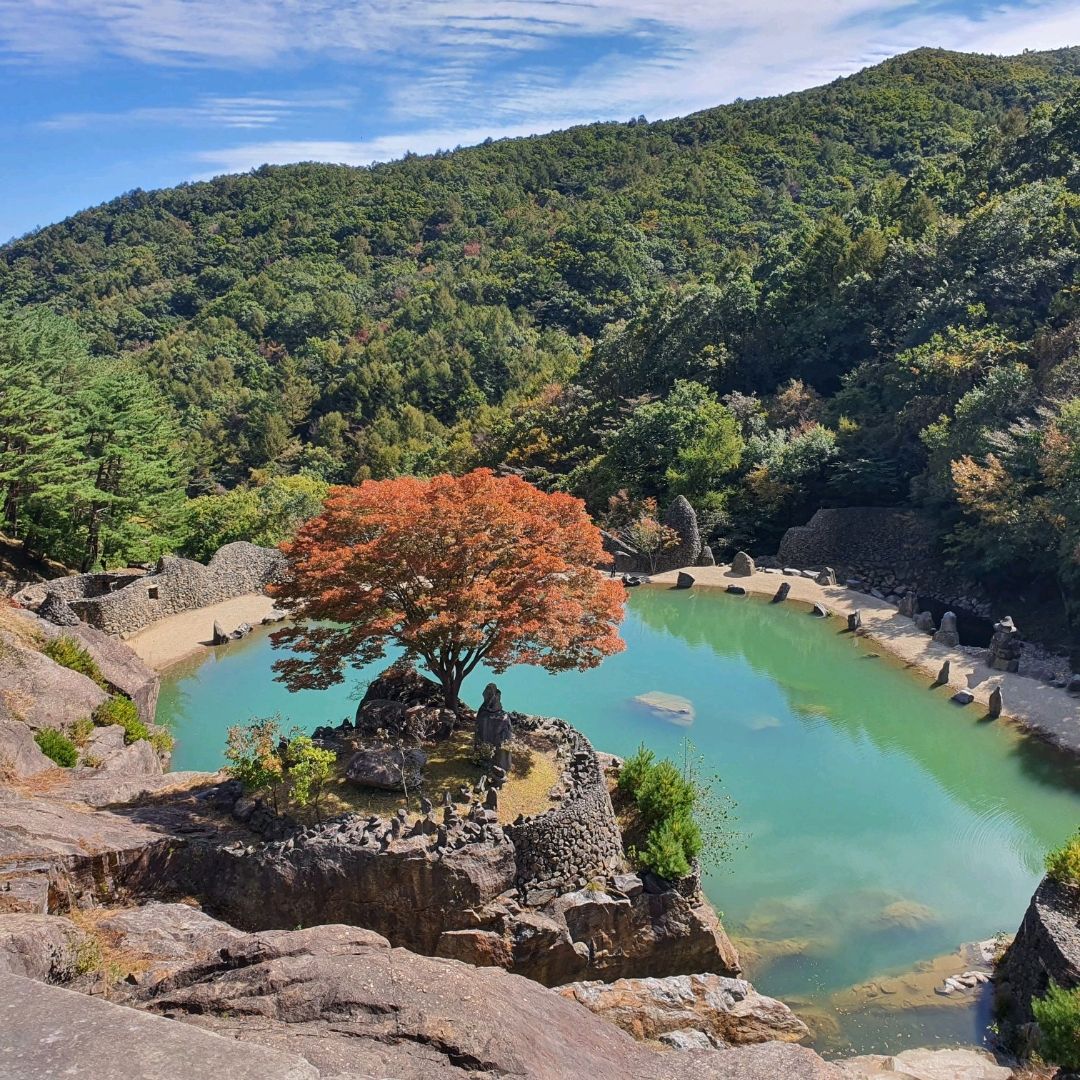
(889, 549)
(123, 603)
(579, 839)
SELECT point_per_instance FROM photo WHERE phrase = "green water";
(856, 786)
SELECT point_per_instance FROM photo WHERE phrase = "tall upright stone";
(492, 720)
(680, 516)
(948, 633)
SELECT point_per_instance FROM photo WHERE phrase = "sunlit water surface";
(856, 789)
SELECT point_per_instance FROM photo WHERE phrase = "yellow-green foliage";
(1063, 864)
(57, 746)
(67, 652)
(1058, 1016)
(122, 711)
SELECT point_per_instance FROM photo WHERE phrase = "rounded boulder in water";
(670, 707)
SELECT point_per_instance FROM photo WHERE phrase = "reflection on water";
(882, 825)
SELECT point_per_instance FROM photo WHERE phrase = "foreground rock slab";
(355, 1007)
(959, 1064)
(46, 1032)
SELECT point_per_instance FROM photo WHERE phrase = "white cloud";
(458, 70)
(244, 111)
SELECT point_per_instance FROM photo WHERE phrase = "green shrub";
(634, 769)
(1063, 863)
(122, 711)
(57, 746)
(251, 750)
(664, 853)
(81, 731)
(665, 793)
(67, 652)
(1058, 1016)
(310, 769)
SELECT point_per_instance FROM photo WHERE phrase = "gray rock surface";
(48, 1032)
(39, 692)
(947, 633)
(43, 947)
(20, 755)
(1047, 946)
(742, 564)
(961, 1063)
(729, 1010)
(354, 1007)
(120, 666)
(387, 768)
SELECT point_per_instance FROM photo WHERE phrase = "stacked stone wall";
(568, 845)
(888, 549)
(123, 603)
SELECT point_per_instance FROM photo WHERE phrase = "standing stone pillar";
(1005, 646)
(948, 634)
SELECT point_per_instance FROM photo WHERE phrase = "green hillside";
(861, 293)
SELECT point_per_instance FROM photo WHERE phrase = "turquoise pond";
(856, 787)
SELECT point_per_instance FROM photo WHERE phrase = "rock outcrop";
(729, 1011)
(40, 693)
(120, 666)
(963, 1063)
(354, 1007)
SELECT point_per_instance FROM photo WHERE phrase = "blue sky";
(101, 96)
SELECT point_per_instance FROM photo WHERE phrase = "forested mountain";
(862, 293)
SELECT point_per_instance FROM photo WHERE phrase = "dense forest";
(861, 294)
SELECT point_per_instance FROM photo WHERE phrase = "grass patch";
(451, 765)
(57, 747)
(67, 652)
(122, 711)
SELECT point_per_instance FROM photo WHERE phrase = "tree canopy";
(456, 571)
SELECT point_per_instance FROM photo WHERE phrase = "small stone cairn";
(1005, 646)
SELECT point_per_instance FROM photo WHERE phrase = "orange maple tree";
(457, 571)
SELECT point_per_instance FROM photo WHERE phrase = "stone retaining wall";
(892, 550)
(123, 603)
(1046, 947)
(568, 845)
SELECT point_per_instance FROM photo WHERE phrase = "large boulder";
(44, 947)
(1046, 947)
(403, 704)
(119, 665)
(728, 1010)
(650, 934)
(47, 1032)
(20, 755)
(39, 692)
(742, 564)
(388, 768)
(961, 1063)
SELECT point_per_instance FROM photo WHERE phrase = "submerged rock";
(671, 707)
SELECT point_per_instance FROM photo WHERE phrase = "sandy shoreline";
(178, 637)
(1045, 710)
